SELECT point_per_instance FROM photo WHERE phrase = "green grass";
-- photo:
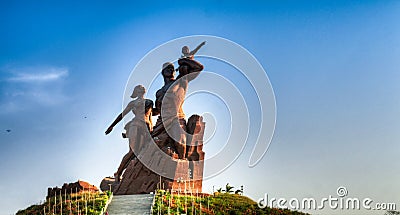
(71, 203)
(222, 203)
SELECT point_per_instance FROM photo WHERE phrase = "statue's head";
(138, 91)
(168, 70)
(185, 50)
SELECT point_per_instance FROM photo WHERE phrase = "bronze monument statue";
(172, 135)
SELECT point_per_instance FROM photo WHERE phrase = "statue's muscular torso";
(173, 99)
(170, 98)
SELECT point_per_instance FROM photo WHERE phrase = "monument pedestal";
(138, 179)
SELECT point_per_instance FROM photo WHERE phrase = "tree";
(228, 188)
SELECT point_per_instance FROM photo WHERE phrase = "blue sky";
(333, 65)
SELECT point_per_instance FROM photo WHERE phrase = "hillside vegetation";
(220, 203)
(91, 203)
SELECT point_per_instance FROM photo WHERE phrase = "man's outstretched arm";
(194, 66)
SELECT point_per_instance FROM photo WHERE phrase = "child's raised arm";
(197, 48)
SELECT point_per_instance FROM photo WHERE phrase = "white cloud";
(39, 74)
(33, 87)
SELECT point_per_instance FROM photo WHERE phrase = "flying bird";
(8, 130)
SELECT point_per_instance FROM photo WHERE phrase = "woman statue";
(137, 130)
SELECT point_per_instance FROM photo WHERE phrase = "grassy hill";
(91, 202)
(221, 203)
(164, 203)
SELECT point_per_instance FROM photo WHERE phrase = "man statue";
(170, 98)
(168, 73)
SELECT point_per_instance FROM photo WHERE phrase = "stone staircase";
(130, 204)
